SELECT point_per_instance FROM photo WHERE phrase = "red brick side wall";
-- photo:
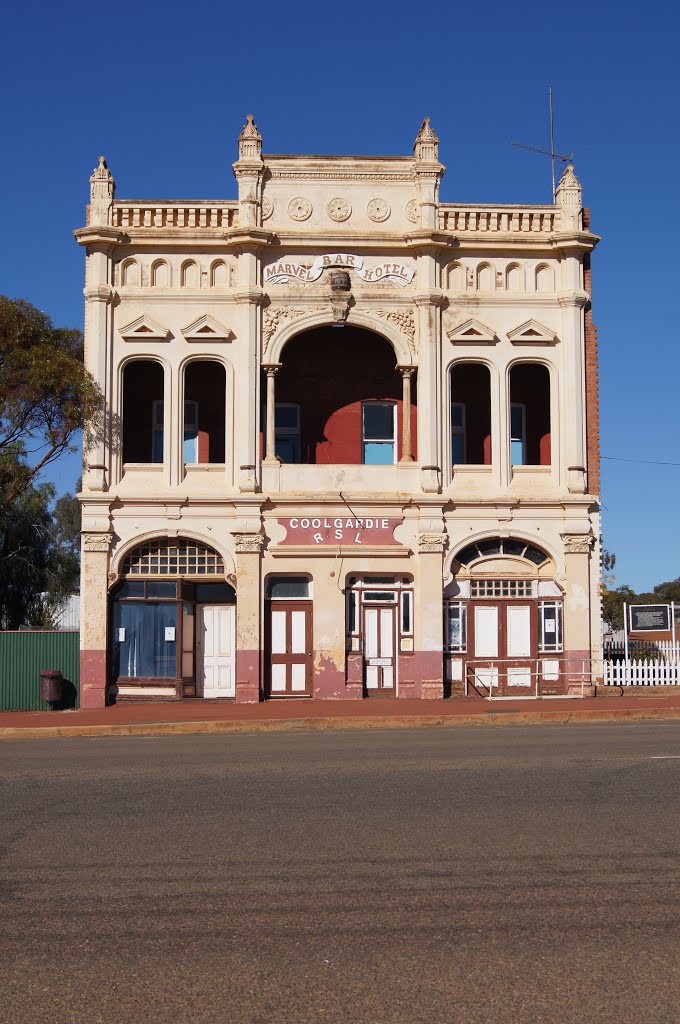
(592, 384)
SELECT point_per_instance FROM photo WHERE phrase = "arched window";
(172, 557)
(160, 274)
(470, 414)
(204, 412)
(143, 412)
(530, 415)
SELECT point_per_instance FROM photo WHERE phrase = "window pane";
(377, 453)
(131, 589)
(289, 586)
(155, 588)
(190, 447)
(214, 593)
(517, 453)
(457, 414)
(288, 449)
(468, 554)
(517, 422)
(379, 595)
(458, 448)
(378, 421)
(286, 416)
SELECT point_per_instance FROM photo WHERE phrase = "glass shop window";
(378, 432)
(145, 639)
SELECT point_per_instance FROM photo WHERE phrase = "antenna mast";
(552, 143)
(552, 154)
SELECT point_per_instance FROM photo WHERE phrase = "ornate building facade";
(351, 442)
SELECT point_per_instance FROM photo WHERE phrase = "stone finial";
(102, 191)
(426, 146)
(568, 196)
(249, 141)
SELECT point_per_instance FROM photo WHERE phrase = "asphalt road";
(447, 875)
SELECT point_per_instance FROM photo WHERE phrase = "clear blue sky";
(163, 91)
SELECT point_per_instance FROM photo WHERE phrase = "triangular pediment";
(532, 333)
(144, 329)
(472, 332)
(207, 328)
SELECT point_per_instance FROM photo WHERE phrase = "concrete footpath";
(295, 714)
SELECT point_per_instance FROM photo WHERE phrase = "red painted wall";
(329, 372)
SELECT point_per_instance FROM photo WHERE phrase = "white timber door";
(215, 650)
(379, 649)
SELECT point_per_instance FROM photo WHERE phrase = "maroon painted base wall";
(247, 677)
(93, 679)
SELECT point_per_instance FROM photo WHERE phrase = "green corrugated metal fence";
(24, 654)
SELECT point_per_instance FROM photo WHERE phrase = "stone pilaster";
(248, 612)
(577, 601)
(429, 629)
(94, 619)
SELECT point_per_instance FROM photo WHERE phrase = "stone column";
(248, 613)
(270, 441)
(94, 619)
(406, 449)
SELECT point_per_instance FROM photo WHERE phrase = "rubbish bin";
(51, 685)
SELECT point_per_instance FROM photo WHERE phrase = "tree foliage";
(46, 394)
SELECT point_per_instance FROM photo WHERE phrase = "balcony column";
(270, 447)
(406, 375)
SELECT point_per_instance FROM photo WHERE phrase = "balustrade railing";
(511, 220)
(175, 215)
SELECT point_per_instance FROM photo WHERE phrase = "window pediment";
(472, 332)
(532, 333)
(144, 329)
(207, 328)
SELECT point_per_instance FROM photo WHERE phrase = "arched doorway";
(504, 620)
(173, 623)
(339, 399)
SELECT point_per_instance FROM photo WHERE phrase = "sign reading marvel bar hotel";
(339, 530)
(388, 270)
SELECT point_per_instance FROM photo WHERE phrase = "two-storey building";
(351, 442)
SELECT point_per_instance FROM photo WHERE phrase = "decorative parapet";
(568, 197)
(175, 215)
(509, 220)
(102, 191)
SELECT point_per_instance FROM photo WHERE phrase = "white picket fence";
(657, 672)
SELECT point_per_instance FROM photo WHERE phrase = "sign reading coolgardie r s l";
(333, 530)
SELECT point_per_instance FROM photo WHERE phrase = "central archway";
(340, 399)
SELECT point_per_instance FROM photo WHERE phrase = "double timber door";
(290, 648)
(503, 642)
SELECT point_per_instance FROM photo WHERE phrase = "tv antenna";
(551, 153)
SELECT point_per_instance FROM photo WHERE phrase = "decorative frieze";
(275, 316)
